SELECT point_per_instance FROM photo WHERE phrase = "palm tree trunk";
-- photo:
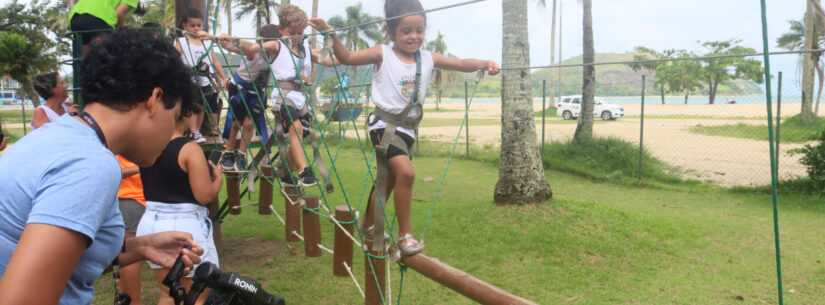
(821, 78)
(662, 92)
(584, 128)
(551, 94)
(807, 114)
(228, 12)
(521, 170)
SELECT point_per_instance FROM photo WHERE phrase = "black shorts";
(290, 114)
(207, 96)
(377, 134)
(88, 27)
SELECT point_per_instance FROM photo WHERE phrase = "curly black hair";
(122, 69)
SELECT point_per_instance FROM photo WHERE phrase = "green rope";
(771, 141)
(403, 270)
(440, 187)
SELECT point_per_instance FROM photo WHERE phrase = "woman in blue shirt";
(60, 226)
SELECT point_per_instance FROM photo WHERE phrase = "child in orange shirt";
(132, 204)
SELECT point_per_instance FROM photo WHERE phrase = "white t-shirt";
(249, 70)
(284, 67)
(190, 53)
(393, 83)
(285, 63)
(51, 114)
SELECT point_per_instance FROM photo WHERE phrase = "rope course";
(317, 204)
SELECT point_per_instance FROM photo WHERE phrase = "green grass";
(792, 130)
(597, 242)
(608, 159)
(15, 116)
(549, 112)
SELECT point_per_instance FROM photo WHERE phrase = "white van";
(569, 107)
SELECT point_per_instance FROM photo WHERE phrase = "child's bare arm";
(318, 58)
(357, 58)
(219, 69)
(239, 46)
(465, 65)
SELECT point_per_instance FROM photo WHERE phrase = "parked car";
(569, 108)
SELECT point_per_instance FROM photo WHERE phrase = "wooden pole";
(374, 277)
(343, 244)
(292, 213)
(312, 228)
(233, 190)
(265, 197)
(461, 282)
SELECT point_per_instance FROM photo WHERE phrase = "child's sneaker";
(241, 160)
(307, 178)
(228, 162)
(288, 180)
(198, 137)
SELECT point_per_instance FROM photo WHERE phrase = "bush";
(813, 157)
(610, 159)
(550, 112)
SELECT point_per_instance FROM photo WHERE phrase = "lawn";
(792, 130)
(15, 116)
(594, 243)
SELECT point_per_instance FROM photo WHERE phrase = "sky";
(475, 30)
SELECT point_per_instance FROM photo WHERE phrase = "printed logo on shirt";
(407, 85)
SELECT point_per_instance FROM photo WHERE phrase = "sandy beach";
(724, 160)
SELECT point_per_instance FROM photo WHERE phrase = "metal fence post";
(778, 116)
(642, 130)
(467, 118)
(23, 114)
(543, 112)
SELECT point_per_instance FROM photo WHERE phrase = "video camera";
(228, 288)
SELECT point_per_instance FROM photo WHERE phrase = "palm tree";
(584, 128)
(521, 172)
(794, 40)
(261, 9)
(438, 45)
(21, 60)
(642, 54)
(357, 37)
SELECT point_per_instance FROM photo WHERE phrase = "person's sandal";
(409, 246)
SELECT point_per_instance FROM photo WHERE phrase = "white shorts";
(184, 217)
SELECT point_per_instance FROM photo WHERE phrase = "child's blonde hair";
(290, 15)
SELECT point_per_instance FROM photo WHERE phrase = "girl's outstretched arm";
(368, 56)
(465, 65)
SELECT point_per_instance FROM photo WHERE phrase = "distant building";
(8, 91)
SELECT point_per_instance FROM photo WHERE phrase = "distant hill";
(621, 80)
(611, 80)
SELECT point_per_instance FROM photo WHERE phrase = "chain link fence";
(721, 139)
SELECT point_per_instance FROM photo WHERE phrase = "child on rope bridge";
(194, 54)
(247, 91)
(399, 84)
(291, 63)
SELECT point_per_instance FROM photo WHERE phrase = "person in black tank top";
(165, 181)
(178, 188)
